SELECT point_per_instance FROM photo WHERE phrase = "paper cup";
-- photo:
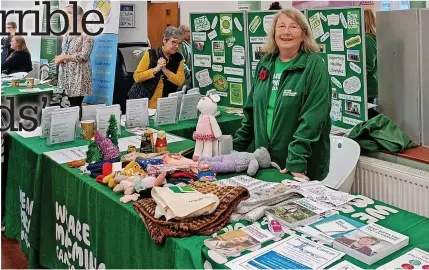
(87, 129)
(30, 82)
(14, 83)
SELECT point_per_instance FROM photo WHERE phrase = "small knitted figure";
(207, 127)
(205, 172)
(241, 161)
(107, 148)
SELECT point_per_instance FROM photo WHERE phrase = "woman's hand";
(58, 59)
(161, 64)
(297, 175)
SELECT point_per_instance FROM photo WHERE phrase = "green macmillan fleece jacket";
(380, 133)
(301, 122)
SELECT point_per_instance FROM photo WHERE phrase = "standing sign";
(219, 53)
(341, 36)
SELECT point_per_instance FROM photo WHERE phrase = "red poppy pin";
(263, 74)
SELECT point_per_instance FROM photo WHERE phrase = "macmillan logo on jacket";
(289, 93)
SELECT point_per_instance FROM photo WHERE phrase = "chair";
(127, 60)
(342, 166)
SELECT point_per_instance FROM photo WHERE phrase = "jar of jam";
(161, 142)
(146, 142)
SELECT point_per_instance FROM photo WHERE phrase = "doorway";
(161, 15)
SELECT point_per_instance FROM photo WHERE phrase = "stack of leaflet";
(370, 243)
(236, 241)
(318, 201)
(415, 259)
(330, 228)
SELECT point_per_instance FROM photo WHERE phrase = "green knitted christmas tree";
(112, 131)
(93, 154)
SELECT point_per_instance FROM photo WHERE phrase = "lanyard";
(67, 46)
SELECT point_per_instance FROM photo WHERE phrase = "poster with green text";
(219, 55)
(340, 34)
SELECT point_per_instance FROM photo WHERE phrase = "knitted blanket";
(159, 229)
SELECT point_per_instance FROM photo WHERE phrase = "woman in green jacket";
(288, 108)
(371, 59)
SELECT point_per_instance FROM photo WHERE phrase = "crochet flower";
(263, 74)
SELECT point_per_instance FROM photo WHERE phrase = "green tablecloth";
(83, 219)
(14, 91)
(228, 123)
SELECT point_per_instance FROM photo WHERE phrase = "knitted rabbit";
(241, 161)
(207, 127)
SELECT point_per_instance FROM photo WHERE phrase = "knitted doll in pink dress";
(207, 128)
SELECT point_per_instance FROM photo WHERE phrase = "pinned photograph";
(257, 51)
(353, 108)
(199, 46)
(353, 55)
(322, 48)
(334, 93)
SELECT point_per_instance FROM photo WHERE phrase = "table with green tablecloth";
(82, 223)
(7, 90)
(228, 123)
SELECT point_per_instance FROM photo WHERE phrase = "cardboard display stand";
(219, 50)
(341, 36)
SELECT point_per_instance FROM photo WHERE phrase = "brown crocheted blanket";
(159, 229)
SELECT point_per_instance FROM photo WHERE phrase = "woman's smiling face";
(288, 34)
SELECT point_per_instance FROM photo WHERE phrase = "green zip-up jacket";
(371, 66)
(301, 122)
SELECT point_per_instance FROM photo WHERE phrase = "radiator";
(401, 186)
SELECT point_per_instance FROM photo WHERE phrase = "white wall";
(266, 4)
(33, 42)
(139, 33)
(206, 6)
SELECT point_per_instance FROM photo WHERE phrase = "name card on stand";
(89, 112)
(179, 96)
(188, 108)
(193, 90)
(46, 120)
(137, 114)
(103, 116)
(63, 125)
(166, 115)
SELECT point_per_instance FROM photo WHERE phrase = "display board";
(341, 36)
(259, 23)
(219, 55)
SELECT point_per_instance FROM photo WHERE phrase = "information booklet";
(371, 243)
(238, 240)
(414, 259)
(331, 228)
(291, 214)
(294, 252)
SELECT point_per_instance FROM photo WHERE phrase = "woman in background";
(5, 42)
(161, 71)
(75, 74)
(371, 59)
(19, 58)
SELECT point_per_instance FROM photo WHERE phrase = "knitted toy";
(125, 185)
(148, 182)
(241, 161)
(107, 148)
(205, 172)
(128, 198)
(207, 127)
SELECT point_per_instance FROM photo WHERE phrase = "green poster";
(259, 23)
(219, 51)
(340, 35)
(50, 45)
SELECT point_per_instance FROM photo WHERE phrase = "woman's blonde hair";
(21, 45)
(79, 9)
(308, 44)
(369, 17)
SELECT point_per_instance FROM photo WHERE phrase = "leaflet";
(103, 116)
(63, 125)
(68, 155)
(166, 111)
(188, 108)
(137, 114)
(294, 252)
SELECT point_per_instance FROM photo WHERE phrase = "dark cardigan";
(17, 61)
